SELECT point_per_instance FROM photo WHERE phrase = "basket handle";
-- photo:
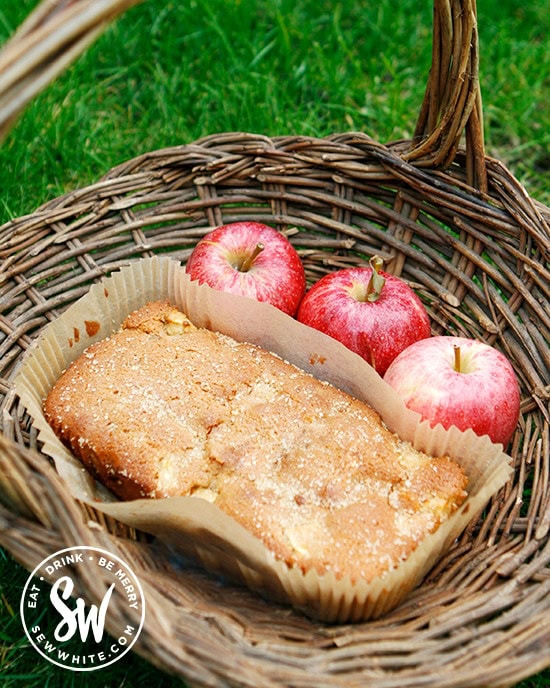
(452, 101)
(49, 40)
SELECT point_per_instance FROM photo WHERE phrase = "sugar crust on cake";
(163, 408)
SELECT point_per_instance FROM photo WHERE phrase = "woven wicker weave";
(462, 231)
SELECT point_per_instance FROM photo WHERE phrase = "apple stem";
(247, 261)
(376, 281)
(457, 359)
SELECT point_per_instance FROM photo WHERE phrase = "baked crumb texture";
(163, 408)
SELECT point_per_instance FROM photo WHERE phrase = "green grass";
(168, 73)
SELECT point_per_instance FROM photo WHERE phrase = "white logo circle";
(62, 627)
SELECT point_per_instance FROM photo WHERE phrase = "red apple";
(375, 314)
(250, 259)
(459, 381)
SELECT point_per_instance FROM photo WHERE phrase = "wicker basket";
(451, 221)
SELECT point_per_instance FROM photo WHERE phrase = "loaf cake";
(163, 408)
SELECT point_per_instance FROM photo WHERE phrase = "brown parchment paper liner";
(197, 527)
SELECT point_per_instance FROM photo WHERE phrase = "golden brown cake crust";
(162, 409)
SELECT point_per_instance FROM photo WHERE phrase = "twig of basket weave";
(52, 37)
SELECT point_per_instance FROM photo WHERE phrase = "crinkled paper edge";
(199, 528)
